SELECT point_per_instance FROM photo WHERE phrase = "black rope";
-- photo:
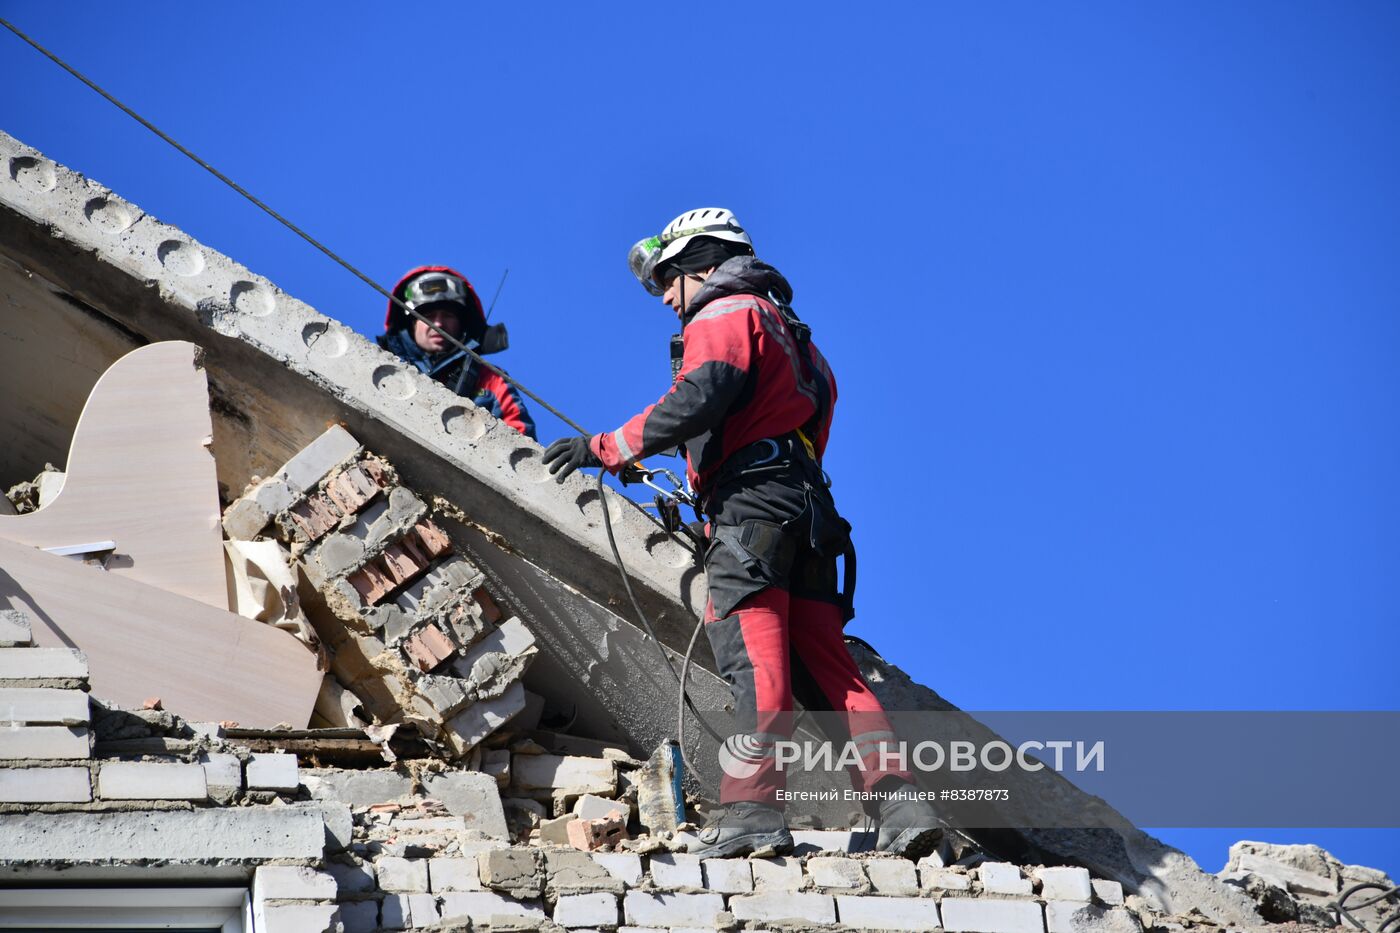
(1344, 909)
(646, 623)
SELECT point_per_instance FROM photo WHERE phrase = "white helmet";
(713, 222)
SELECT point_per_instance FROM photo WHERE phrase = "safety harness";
(826, 533)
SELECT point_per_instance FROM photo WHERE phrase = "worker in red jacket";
(751, 406)
(445, 297)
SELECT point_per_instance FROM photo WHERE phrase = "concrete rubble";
(488, 750)
(421, 845)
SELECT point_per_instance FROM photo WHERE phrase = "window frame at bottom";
(226, 909)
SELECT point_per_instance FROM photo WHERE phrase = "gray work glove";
(568, 454)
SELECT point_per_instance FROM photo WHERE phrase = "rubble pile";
(1304, 883)
(413, 632)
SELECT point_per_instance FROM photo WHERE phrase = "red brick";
(489, 610)
(434, 540)
(428, 648)
(371, 583)
(414, 549)
(400, 566)
(351, 489)
(374, 469)
(315, 516)
(594, 834)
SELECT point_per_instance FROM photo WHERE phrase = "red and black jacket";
(742, 379)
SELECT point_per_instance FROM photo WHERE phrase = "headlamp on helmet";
(641, 259)
(432, 287)
(713, 222)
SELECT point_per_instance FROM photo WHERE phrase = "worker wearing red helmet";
(751, 406)
(444, 297)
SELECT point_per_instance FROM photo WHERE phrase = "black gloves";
(568, 454)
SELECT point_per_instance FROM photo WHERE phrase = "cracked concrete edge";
(237, 303)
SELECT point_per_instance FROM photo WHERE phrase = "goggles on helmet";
(432, 287)
(641, 259)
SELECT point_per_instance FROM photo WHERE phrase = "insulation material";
(262, 586)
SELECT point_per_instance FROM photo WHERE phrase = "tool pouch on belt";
(756, 554)
(820, 525)
(829, 536)
(761, 547)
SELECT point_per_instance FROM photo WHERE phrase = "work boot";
(744, 828)
(908, 825)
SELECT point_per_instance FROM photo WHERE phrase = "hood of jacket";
(740, 275)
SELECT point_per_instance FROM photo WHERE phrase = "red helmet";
(443, 281)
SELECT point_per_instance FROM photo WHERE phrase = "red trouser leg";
(819, 645)
(751, 651)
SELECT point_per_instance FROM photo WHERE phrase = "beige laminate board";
(205, 664)
(140, 474)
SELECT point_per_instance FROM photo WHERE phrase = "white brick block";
(1108, 892)
(988, 915)
(423, 908)
(586, 910)
(944, 879)
(932, 860)
(728, 875)
(510, 637)
(315, 460)
(593, 807)
(1002, 878)
(777, 874)
(44, 742)
(896, 876)
(360, 916)
(15, 630)
(402, 874)
(1064, 884)
(396, 913)
(272, 771)
(668, 910)
(676, 870)
(45, 785)
(483, 905)
(151, 780)
(1079, 917)
(43, 705)
(842, 874)
(573, 772)
(784, 905)
(482, 718)
(352, 879)
(42, 664)
(222, 769)
(299, 918)
(293, 883)
(453, 874)
(624, 866)
(887, 913)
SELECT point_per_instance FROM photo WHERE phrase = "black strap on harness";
(817, 381)
(825, 532)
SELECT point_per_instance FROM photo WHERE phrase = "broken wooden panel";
(141, 641)
(140, 473)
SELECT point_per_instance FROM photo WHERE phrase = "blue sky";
(1110, 290)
